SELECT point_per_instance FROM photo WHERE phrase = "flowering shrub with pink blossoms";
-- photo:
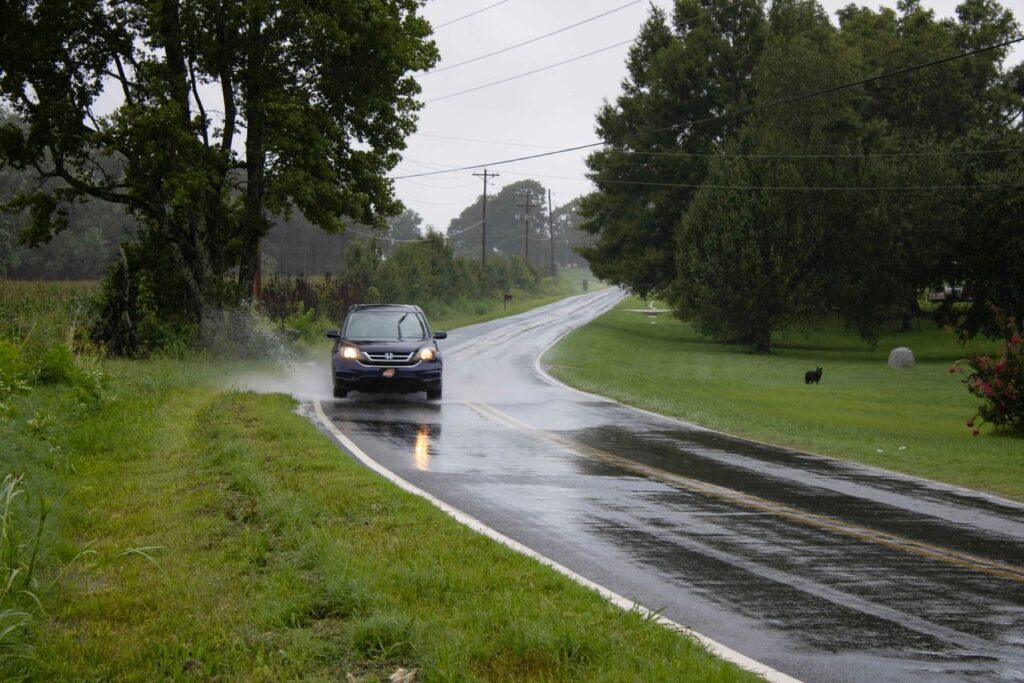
(999, 381)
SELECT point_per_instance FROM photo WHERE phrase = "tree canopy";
(226, 114)
(799, 195)
(680, 78)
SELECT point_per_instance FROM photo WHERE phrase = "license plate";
(390, 372)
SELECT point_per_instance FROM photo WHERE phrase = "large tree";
(965, 114)
(864, 226)
(850, 202)
(988, 257)
(752, 254)
(657, 132)
(221, 114)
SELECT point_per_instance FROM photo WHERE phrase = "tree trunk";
(254, 222)
(761, 338)
(173, 40)
(247, 266)
(194, 282)
(910, 312)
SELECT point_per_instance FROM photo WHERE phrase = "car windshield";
(384, 325)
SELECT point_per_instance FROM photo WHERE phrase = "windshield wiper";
(400, 321)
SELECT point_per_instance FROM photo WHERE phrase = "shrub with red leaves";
(999, 381)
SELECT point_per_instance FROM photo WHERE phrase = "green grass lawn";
(906, 420)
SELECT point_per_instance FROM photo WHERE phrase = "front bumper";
(353, 376)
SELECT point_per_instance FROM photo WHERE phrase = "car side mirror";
(440, 335)
(333, 334)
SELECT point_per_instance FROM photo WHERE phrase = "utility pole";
(528, 194)
(551, 233)
(483, 234)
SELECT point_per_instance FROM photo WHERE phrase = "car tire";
(434, 394)
(340, 393)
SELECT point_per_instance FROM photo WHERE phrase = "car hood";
(389, 347)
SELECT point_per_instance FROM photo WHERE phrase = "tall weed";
(14, 375)
(18, 555)
(23, 366)
(45, 311)
(44, 340)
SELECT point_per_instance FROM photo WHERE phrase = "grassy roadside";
(197, 533)
(227, 537)
(910, 421)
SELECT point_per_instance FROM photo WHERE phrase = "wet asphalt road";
(823, 570)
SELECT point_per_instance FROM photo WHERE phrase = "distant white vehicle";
(952, 292)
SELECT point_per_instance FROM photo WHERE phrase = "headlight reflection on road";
(421, 451)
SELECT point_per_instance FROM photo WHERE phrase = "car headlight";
(349, 352)
(428, 354)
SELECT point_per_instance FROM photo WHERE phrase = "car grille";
(389, 359)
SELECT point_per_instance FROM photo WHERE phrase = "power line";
(460, 186)
(572, 59)
(425, 164)
(471, 14)
(732, 155)
(774, 188)
(584, 179)
(532, 40)
(533, 238)
(869, 155)
(864, 81)
(465, 229)
(429, 203)
(529, 73)
(453, 169)
(545, 175)
(422, 239)
(820, 188)
(738, 112)
(383, 238)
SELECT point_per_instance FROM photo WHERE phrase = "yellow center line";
(979, 564)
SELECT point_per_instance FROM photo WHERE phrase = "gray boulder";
(901, 357)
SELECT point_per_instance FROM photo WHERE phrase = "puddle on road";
(707, 441)
(679, 453)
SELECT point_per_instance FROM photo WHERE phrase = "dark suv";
(386, 348)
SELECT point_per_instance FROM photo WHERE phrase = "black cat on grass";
(812, 376)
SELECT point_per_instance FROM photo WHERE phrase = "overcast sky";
(547, 110)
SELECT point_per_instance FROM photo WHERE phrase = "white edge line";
(476, 525)
(872, 469)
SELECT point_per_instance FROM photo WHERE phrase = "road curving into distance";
(819, 569)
